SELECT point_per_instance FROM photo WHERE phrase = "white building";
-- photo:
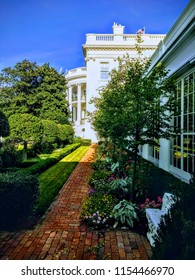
(177, 53)
(101, 52)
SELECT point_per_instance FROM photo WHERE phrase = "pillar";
(78, 104)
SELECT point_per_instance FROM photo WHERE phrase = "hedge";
(18, 193)
(47, 160)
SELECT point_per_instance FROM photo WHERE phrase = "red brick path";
(62, 236)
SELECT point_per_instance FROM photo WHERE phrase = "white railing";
(76, 71)
(122, 38)
(104, 37)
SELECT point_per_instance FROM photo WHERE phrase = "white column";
(145, 151)
(164, 160)
(70, 100)
(74, 114)
(78, 104)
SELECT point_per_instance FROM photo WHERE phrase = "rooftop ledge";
(125, 39)
(80, 71)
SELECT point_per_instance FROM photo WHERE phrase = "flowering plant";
(151, 204)
(97, 219)
(97, 210)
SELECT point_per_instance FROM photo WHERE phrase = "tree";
(25, 128)
(135, 107)
(32, 89)
(4, 130)
(4, 125)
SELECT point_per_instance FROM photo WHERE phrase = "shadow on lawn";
(13, 218)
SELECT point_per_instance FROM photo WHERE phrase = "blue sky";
(53, 31)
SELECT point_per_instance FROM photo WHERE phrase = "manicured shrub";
(47, 160)
(10, 157)
(50, 131)
(84, 142)
(65, 133)
(18, 193)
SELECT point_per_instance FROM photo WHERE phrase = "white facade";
(101, 52)
(177, 53)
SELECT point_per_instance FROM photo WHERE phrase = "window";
(183, 145)
(104, 70)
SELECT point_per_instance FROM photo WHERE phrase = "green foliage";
(10, 156)
(4, 125)
(65, 133)
(47, 160)
(132, 108)
(125, 213)
(25, 127)
(120, 187)
(18, 193)
(97, 210)
(52, 180)
(36, 90)
(83, 141)
(50, 131)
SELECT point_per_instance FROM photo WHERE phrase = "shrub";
(18, 193)
(65, 133)
(50, 131)
(10, 156)
(125, 213)
(47, 160)
(120, 187)
(84, 142)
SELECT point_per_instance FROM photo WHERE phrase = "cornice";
(75, 77)
(115, 48)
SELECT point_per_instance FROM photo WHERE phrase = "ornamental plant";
(151, 204)
(97, 210)
(125, 213)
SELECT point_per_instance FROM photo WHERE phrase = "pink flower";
(157, 205)
(159, 199)
(147, 200)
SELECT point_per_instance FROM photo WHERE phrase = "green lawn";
(52, 180)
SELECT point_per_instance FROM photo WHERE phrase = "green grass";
(52, 180)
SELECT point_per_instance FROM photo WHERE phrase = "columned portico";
(76, 79)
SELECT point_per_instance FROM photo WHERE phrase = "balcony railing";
(125, 39)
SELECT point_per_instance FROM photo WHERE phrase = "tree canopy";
(36, 90)
(135, 107)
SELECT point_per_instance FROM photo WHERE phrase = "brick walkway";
(62, 236)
